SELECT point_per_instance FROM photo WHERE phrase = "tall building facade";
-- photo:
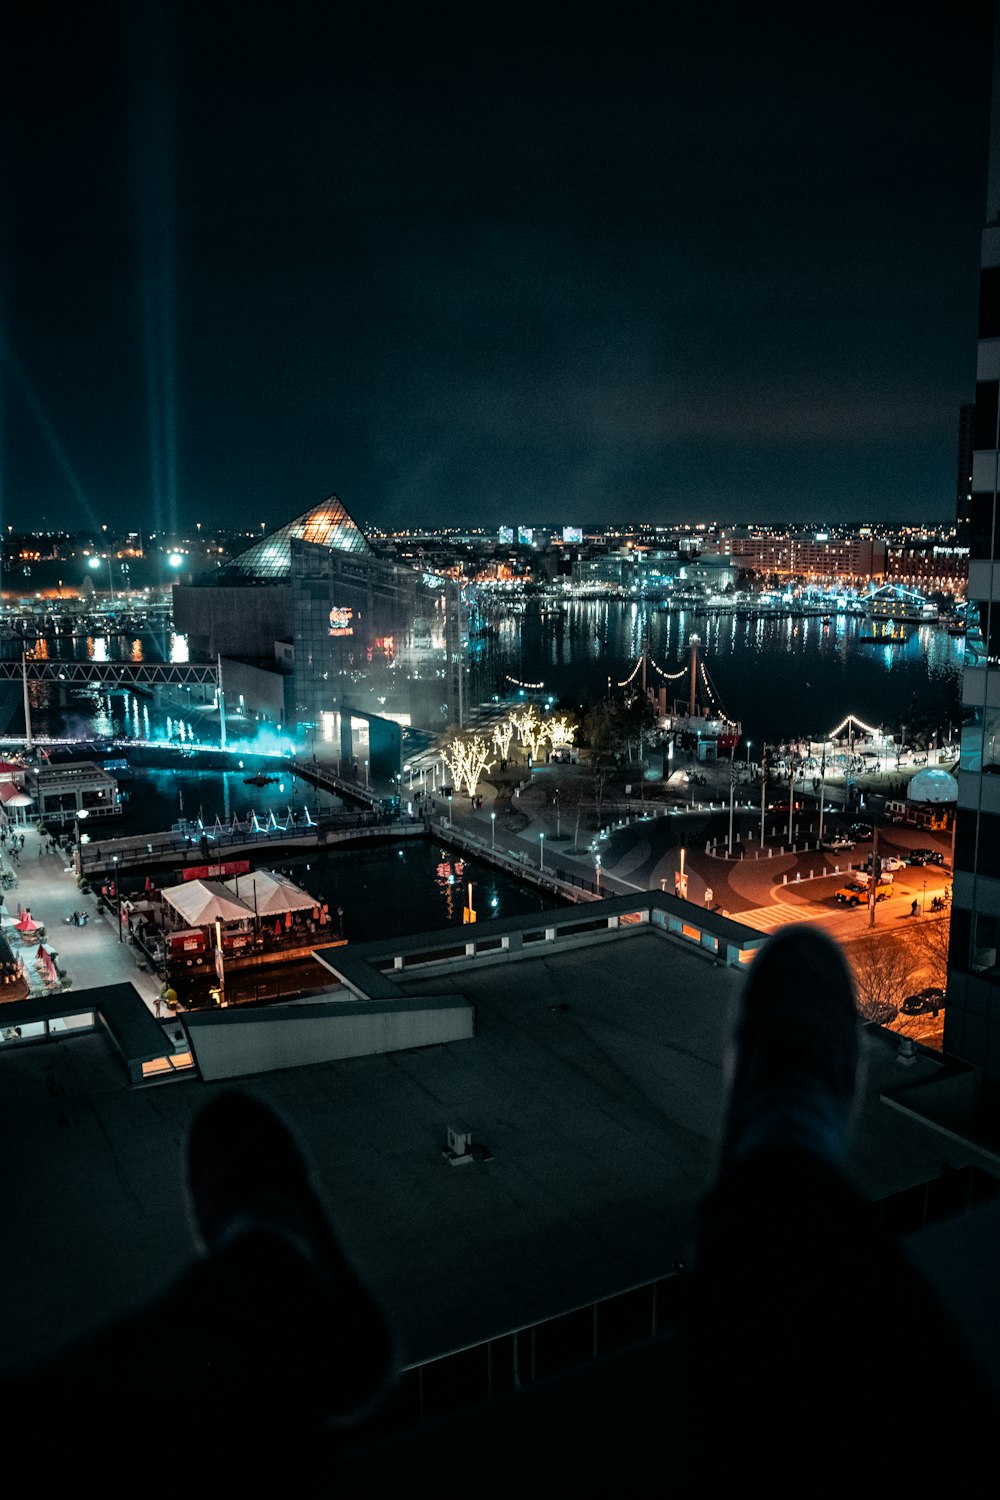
(340, 626)
(972, 1023)
(963, 486)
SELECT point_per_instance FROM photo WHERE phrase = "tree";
(600, 777)
(503, 733)
(884, 969)
(599, 728)
(929, 940)
(467, 759)
(560, 731)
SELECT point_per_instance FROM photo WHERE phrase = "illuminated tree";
(453, 755)
(525, 723)
(467, 759)
(534, 737)
(503, 733)
(477, 753)
(560, 731)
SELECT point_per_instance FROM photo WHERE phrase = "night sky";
(487, 265)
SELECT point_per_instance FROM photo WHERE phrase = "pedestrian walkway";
(779, 914)
(90, 955)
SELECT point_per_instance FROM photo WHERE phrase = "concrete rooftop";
(595, 1079)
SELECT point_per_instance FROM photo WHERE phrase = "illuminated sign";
(505, 535)
(341, 621)
(525, 536)
(572, 533)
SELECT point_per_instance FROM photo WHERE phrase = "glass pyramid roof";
(329, 525)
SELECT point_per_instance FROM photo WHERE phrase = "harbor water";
(781, 676)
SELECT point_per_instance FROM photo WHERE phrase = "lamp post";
(597, 871)
(367, 782)
(763, 794)
(449, 809)
(493, 830)
(541, 851)
(80, 813)
(732, 797)
(95, 562)
(118, 895)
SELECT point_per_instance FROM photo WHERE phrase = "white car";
(837, 841)
(888, 863)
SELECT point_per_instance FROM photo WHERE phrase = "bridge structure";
(115, 674)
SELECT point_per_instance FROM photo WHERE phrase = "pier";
(189, 845)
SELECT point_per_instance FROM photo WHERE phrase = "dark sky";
(487, 265)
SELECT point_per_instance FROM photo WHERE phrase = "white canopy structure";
(201, 902)
(270, 894)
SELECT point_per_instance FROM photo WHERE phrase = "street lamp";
(748, 755)
(80, 813)
(493, 830)
(449, 809)
(597, 871)
(367, 783)
(118, 894)
(95, 562)
(541, 851)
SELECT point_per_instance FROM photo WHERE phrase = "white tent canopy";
(933, 785)
(202, 902)
(269, 893)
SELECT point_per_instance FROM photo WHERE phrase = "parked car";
(929, 999)
(883, 1014)
(836, 841)
(888, 863)
(861, 832)
(925, 857)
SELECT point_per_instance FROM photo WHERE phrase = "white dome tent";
(933, 786)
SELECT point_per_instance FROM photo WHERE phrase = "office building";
(972, 1025)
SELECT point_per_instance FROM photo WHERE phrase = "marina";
(151, 807)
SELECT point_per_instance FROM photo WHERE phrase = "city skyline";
(460, 279)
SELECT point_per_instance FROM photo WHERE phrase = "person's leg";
(255, 1362)
(810, 1327)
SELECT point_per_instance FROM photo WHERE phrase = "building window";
(980, 741)
(985, 435)
(989, 303)
(981, 528)
(965, 840)
(977, 616)
(985, 946)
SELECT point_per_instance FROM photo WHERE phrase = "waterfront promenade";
(91, 955)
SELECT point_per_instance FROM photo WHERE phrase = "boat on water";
(260, 780)
(700, 723)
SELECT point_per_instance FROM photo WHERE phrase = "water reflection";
(779, 676)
